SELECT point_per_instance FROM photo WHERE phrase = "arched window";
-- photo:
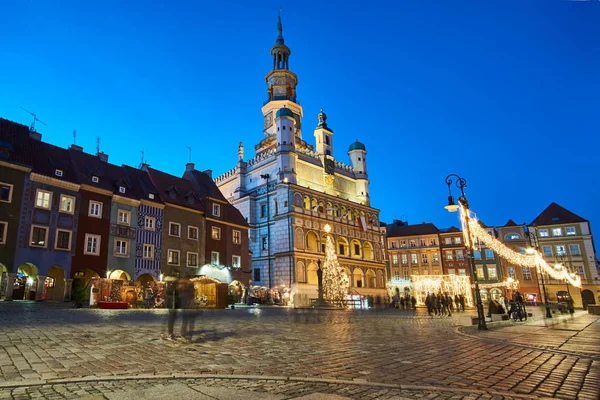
(344, 212)
(358, 277)
(300, 272)
(371, 279)
(299, 238)
(355, 215)
(314, 204)
(336, 210)
(380, 282)
(321, 208)
(342, 247)
(368, 251)
(311, 277)
(324, 242)
(306, 203)
(513, 236)
(355, 249)
(298, 200)
(312, 241)
(329, 209)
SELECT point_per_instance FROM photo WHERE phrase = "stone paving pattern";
(387, 354)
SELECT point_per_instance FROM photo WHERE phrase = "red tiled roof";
(182, 190)
(555, 214)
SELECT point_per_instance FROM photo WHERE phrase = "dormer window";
(58, 172)
(172, 194)
(95, 179)
(121, 189)
(151, 196)
(190, 200)
(216, 210)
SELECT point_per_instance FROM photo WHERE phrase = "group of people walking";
(443, 304)
(405, 302)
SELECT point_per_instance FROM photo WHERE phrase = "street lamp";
(562, 261)
(267, 177)
(534, 242)
(461, 183)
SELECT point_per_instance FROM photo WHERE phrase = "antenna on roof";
(190, 158)
(74, 136)
(143, 161)
(98, 145)
(35, 119)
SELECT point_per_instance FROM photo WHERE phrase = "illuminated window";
(237, 237)
(492, 272)
(95, 209)
(192, 259)
(395, 258)
(236, 261)
(511, 272)
(214, 258)
(404, 259)
(526, 273)
(424, 258)
(513, 236)
(43, 199)
(123, 217)
(543, 233)
(148, 253)
(556, 231)
(436, 258)
(67, 204)
(216, 233)
(173, 257)
(121, 246)
(449, 255)
(92, 245)
(149, 223)
(414, 259)
(561, 250)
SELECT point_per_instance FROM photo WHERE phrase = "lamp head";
(452, 206)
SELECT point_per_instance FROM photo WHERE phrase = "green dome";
(284, 112)
(357, 146)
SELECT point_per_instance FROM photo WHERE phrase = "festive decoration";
(335, 281)
(533, 260)
(509, 283)
(451, 284)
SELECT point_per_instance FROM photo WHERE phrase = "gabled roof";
(452, 229)
(510, 222)
(142, 184)
(110, 176)
(555, 214)
(412, 230)
(18, 147)
(165, 183)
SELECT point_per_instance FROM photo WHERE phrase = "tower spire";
(279, 29)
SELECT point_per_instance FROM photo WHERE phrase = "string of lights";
(508, 283)
(533, 260)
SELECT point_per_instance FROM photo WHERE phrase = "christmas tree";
(335, 281)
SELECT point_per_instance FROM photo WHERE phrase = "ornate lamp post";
(461, 183)
(535, 243)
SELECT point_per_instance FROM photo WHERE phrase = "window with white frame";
(403, 243)
(192, 259)
(406, 274)
(193, 232)
(148, 252)
(460, 255)
(436, 258)
(67, 204)
(492, 272)
(63, 240)
(449, 255)
(404, 258)
(414, 259)
(457, 240)
(561, 250)
(510, 271)
(214, 257)
(547, 250)
(574, 250)
(580, 272)
(396, 274)
(3, 231)
(174, 229)
(39, 236)
(92, 245)
(151, 196)
(462, 272)
(149, 223)
(394, 244)
(412, 243)
(237, 237)
(236, 261)
(58, 172)
(556, 231)
(451, 271)
(423, 258)
(543, 233)
(123, 217)
(173, 257)
(6, 190)
(526, 273)
(480, 273)
(95, 209)
(216, 233)
(447, 240)
(422, 242)
(95, 179)
(43, 199)
(121, 189)
(121, 247)
(216, 210)
(570, 231)
(394, 259)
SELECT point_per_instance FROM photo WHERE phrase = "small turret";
(324, 136)
(285, 124)
(358, 158)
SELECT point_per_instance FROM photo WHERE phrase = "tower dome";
(284, 112)
(357, 146)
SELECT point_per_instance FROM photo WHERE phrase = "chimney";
(74, 147)
(189, 167)
(35, 135)
(103, 156)
(208, 172)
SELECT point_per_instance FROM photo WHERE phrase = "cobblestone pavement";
(53, 351)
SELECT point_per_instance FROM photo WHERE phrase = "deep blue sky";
(504, 93)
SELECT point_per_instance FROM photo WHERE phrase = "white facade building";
(291, 189)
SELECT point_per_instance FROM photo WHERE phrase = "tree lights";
(335, 281)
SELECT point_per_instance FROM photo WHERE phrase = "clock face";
(268, 120)
(329, 166)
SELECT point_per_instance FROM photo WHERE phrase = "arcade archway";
(55, 284)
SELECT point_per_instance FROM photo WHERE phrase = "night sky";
(504, 93)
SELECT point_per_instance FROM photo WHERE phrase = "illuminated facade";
(289, 190)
